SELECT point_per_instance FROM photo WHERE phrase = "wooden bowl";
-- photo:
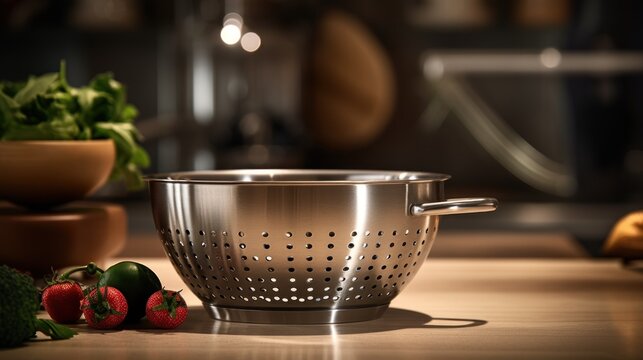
(45, 174)
(74, 234)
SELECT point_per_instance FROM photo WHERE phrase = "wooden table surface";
(480, 309)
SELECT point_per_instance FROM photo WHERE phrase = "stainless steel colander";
(300, 246)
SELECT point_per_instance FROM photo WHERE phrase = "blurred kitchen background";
(536, 102)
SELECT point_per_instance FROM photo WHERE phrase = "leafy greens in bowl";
(48, 108)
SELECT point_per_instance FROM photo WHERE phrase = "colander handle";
(455, 206)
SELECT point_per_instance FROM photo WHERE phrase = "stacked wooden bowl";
(43, 224)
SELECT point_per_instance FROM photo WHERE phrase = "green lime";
(136, 281)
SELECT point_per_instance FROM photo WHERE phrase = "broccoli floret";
(18, 306)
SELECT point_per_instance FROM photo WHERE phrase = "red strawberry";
(62, 297)
(62, 301)
(166, 309)
(104, 309)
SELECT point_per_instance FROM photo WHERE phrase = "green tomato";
(136, 281)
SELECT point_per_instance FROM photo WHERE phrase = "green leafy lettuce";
(48, 108)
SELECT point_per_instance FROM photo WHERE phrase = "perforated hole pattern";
(290, 269)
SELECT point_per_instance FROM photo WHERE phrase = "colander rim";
(297, 177)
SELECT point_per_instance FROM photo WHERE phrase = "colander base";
(295, 316)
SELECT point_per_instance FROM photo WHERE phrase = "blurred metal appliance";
(446, 73)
